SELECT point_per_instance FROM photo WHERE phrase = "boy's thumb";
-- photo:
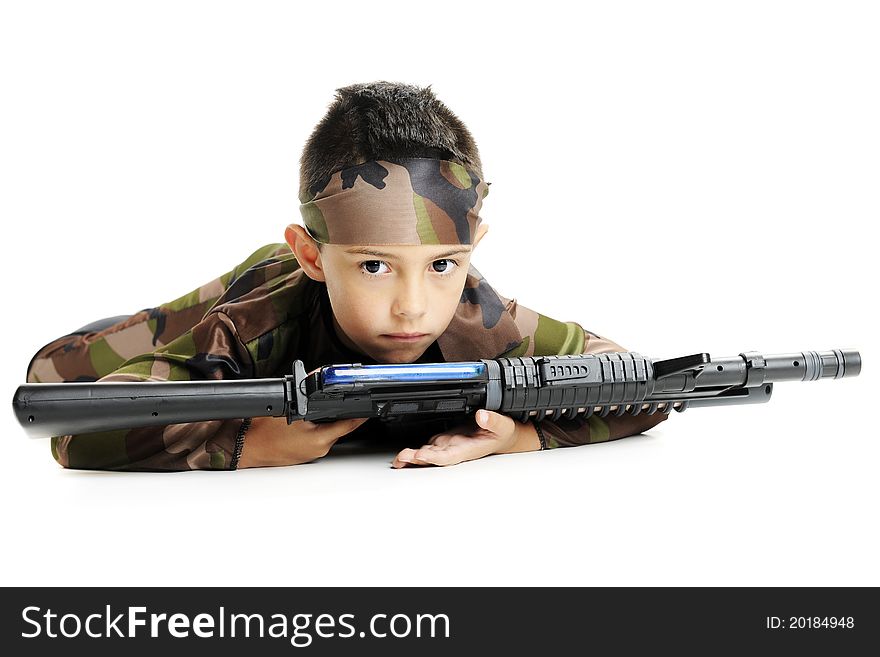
(483, 418)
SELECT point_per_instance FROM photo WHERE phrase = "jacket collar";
(481, 327)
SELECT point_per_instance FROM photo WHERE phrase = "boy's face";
(379, 291)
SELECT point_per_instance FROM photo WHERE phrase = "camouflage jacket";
(252, 322)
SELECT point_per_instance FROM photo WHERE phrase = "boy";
(391, 186)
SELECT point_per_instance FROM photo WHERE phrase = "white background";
(680, 177)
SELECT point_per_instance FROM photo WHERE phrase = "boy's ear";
(307, 255)
(482, 229)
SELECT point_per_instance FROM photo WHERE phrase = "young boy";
(391, 185)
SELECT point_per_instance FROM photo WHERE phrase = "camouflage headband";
(416, 200)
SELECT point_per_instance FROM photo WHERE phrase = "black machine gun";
(536, 387)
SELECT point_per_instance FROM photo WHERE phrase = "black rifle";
(539, 387)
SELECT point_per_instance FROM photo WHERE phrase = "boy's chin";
(402, 354)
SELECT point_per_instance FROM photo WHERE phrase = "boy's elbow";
(94, 451)
(58, 445)
(73, 451)
(209, 445)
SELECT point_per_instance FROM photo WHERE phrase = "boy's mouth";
(405, 337)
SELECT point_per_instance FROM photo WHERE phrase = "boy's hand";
(271, 441)
(492, 433)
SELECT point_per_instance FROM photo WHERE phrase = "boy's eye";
(372, 266)
(445, 267)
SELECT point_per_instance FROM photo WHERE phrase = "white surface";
(706, 180)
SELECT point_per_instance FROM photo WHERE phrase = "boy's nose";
(411, 300)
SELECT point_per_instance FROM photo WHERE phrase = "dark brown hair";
(383, 120)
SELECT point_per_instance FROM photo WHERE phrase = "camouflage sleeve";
(173, 341)
(543, 336)
(210, 350)
(89, 356)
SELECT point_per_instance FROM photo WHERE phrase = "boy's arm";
(192, 346)
(186, 311)
(90, 356)
(210, 350)
(544, 336)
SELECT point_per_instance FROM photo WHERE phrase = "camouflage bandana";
(416, 200)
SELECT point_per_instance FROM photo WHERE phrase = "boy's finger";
(408, 456)
(402, 459)
(350, 424)
(437, 456)
(429, 453)
(338, 428)
(494, 422)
